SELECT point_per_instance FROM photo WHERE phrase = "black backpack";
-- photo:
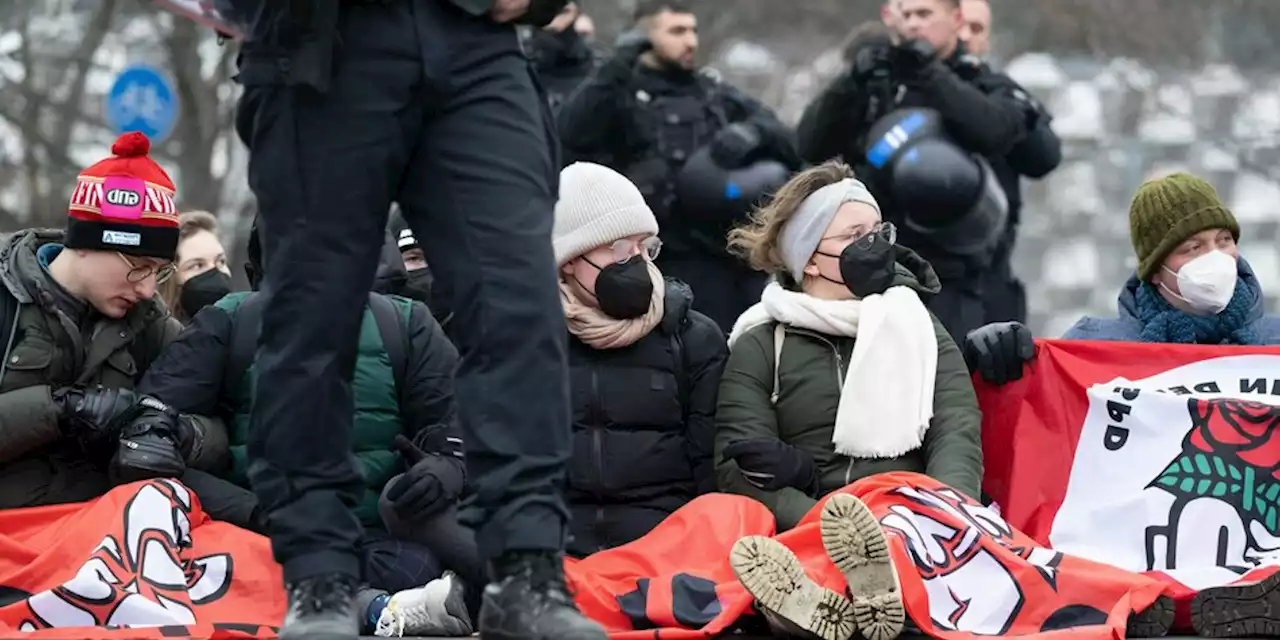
(393, 326)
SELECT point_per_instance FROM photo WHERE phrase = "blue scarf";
(1163, 323)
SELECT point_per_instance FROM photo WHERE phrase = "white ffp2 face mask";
(1207, 282)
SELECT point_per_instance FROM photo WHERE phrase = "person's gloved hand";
(911, 57)
(998, 351)
(733, 143)
(432, 484)
(89, 415)
(771, 464)
(154, 443)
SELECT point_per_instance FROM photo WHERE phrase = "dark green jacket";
(192, 377)
(47, 349)
(811, 374)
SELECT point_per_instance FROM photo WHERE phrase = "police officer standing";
(349, 105)
(996, 132)
(561, 55)
(647, 112)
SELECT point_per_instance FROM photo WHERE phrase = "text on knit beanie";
(597, 206)
(125, 203)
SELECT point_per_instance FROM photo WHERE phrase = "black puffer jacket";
(643, 426)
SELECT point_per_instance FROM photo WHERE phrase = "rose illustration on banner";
(1231, 455)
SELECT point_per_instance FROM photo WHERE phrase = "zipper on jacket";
(597, 443)
(848, 472)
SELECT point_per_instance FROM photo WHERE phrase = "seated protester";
(644, 367)
(840, 372)
(202, 276)
(402, 386)
(1191, 286)
(418, 281)
(80, 324)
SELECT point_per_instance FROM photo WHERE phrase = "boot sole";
(858, 547)
(774, 576)
(1152, 622)
(1236, 611)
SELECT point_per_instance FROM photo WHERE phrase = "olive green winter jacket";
(810, 377)
(47, 349)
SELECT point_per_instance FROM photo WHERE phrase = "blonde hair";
(189, 224)
(193, 222)
(757, 240)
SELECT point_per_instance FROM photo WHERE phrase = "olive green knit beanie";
(1167, 211)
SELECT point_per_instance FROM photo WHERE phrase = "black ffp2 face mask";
(204, 290)
(417, 286)
(867, 267)
(625, 289)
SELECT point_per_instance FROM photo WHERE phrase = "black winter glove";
(432, 484)
(734, 143)
(153, 444)
(998, 351)
(911, 58)
(90, 416)
(772, 464)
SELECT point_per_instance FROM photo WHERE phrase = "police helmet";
(942, 192)
(706, 191)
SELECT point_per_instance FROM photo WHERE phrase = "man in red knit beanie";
(79, 324)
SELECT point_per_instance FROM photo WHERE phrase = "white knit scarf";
(886, 400)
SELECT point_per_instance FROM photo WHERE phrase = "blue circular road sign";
(142, 99)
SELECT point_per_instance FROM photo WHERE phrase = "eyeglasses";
(625, 248)
(863, 240)
(138, 273)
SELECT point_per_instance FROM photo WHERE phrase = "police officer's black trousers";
(439, 111)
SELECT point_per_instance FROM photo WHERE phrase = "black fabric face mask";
(417, 286)
(867, 270)
(624, 289)
(203, 290)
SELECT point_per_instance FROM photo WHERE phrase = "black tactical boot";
(531, 601)
(320, 608)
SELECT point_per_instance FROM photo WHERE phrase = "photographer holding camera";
(984, 116)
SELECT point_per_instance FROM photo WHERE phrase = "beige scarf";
(590, 325)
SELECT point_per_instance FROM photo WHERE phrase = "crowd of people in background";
(748, 309)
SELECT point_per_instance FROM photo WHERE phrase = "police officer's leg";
(480, 195)
(323, 168)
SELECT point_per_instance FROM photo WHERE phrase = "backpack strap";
(779, 335)
(394, 338)
(246, 324)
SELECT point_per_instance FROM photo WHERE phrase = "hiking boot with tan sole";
(858, 547)
(792, 603)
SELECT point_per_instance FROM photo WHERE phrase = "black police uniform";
(563, 60)
(985, 112)
(645, 123)
(347, 106)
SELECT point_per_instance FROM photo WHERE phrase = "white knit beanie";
(597, 206)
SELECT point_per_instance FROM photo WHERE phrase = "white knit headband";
(802, 233)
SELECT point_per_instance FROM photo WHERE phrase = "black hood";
(391, 276)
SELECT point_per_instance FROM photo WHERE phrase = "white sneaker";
(437, 609)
